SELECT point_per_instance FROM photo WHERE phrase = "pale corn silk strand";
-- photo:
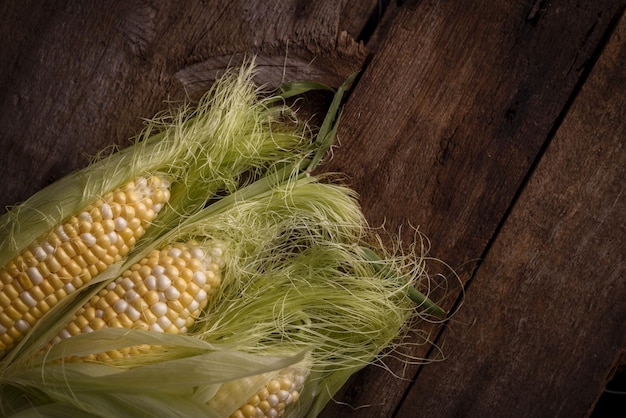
(293, 310)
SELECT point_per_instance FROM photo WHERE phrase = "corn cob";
(279, 390)
(278, 393)
(70, 255)
(164, 292)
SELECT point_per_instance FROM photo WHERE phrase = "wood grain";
(445, 124)
(547, 308)
(79, 76)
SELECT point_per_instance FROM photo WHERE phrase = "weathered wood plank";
(79, 76)
(361, 17)
(445, 123)
(547, 308)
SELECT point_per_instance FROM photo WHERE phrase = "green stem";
(297, 88)
(415, 295)
(326, 134)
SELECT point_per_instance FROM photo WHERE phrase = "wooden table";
(496, 127)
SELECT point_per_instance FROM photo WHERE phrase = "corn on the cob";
(278, 392)
(164, 292)
(70, 255)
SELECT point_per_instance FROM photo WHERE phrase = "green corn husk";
(306, 282)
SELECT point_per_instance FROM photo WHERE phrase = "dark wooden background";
(495, 126)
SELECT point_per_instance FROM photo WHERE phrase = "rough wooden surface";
(546, 311)
(496, 127)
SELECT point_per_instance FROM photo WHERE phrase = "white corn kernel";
(88, 239)
(28, 299)
(159, 309)
(35, 275)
